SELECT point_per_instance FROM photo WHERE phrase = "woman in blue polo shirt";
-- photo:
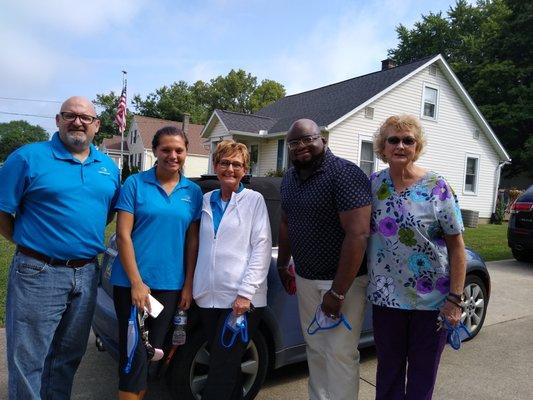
(157, 237)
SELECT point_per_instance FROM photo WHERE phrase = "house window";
(369, 112)
(279, 158)
(430, 102)
(366, 158)
(471, 174)
(433, 70)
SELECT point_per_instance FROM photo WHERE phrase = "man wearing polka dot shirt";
(325, 224)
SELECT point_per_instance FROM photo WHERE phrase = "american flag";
(120, 118)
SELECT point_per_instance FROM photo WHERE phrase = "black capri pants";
(137, 379)
(224, 380)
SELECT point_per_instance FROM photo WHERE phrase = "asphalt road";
(497, 364)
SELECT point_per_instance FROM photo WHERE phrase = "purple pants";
(406, 341)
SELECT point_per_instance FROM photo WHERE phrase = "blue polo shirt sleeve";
(114, 200)
(126, 199)
(352, 188)
(198, 200)
(13, 176)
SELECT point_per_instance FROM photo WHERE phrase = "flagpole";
(124, 85)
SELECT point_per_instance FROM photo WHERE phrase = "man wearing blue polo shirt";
(55, 202)
(325, 224)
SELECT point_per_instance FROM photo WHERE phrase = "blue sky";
(56, 48)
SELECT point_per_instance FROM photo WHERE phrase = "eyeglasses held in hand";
(84, 118)
(237, 166)
(407, 141)
(303, 141)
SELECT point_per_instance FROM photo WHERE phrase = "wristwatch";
(459, 297)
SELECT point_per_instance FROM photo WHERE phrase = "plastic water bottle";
(180, 322)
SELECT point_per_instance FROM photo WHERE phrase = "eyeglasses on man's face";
(303, 141)
(237, 166)
(84, 118)
(407, 141)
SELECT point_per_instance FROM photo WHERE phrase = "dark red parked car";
(520, 231)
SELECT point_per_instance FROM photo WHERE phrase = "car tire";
(476, 302)
(191, 366)
(522, 255)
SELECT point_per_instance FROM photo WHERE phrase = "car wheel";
(191, 366)
(522, 255)
(476, 301)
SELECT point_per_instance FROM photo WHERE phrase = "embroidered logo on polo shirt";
(187, 199)
(104, 171)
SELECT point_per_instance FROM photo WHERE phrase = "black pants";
(224, 381)
(136, 380)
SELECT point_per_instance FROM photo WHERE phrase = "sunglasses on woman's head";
(407, 141)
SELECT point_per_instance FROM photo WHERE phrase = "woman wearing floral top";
(416, 261)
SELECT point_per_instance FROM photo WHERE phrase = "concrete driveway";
(498, 364)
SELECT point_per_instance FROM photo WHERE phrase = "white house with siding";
(112, 148)
(461, 144)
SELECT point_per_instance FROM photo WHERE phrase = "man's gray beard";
(76, 142)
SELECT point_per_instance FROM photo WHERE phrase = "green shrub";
(275, 173)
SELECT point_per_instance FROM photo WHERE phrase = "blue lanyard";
(341, 319)
(455, 334)
(132, 339)
(241, 328)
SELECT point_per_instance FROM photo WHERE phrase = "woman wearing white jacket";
(232, 266)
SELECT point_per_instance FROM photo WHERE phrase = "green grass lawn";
(488, 240)
(6, 253)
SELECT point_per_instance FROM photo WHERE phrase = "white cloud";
(204, 71)
(342, 48)
(42, 41)
(81, 17)
(25, 63)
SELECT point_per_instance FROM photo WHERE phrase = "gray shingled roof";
(323, 105)
(245, 122)
(329, 103)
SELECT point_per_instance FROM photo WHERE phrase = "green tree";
(107, 104)
(489, 47)
(18, 133)
(237, 91)
(267, 92)
(171, 102)
(233, 91)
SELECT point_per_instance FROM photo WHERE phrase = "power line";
(20, 99)
(26, 115)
